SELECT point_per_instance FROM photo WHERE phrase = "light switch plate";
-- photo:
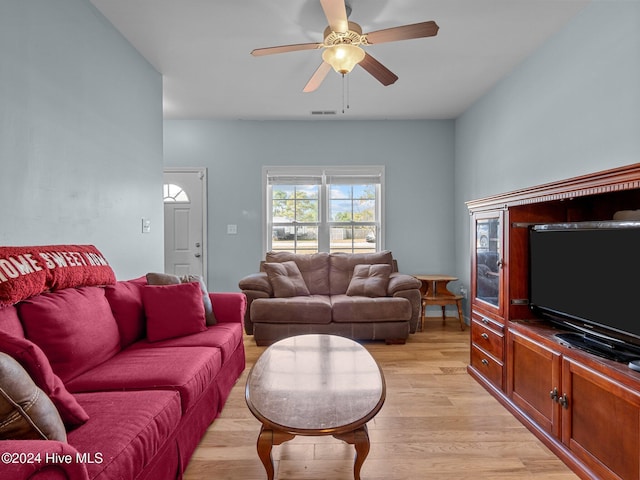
(146, 225)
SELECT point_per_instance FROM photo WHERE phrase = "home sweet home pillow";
(29, 271)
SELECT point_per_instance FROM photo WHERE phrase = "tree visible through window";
(335, 209)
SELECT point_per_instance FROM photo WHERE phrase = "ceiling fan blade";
(379, 71)
(317, 78)
(258, 52)
(405, 32)
(336, 13)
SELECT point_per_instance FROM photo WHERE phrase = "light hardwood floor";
(436, 423)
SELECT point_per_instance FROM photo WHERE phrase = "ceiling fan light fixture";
(343, 57)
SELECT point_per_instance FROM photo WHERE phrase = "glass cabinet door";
(488, 259)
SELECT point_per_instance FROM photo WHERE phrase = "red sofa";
(132, 408)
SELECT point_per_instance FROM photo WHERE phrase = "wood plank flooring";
(437, 422)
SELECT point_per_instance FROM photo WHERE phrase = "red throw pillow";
(37, 365)
(173, 310)
(21, 275)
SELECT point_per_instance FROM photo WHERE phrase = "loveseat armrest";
(402, 281)
(251, 296)
(228, 307)
(41, 459)
(258, 282)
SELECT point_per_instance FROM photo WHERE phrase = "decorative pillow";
(369, 280)
(286, 279)
(173, 310)
(25, 411)
(21, 275)
(169, 279)
(28, 271)
(71, 266)
(35, 362)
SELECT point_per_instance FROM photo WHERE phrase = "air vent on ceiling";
(323, 112)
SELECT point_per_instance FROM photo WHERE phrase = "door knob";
(197, 255)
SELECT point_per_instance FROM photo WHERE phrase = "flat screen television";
(586, 276)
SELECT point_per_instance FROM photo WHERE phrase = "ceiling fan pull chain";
(345, 92)
(348, 90)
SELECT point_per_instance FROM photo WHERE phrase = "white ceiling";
(201, 47)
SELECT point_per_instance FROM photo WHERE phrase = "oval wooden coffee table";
(315, 385)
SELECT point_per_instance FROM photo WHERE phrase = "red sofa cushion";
(225, 336)
(189, 370)
(74, 327)
(34, 361)
(173, 310)
(126, 430)
(10, 322)
(125, 299)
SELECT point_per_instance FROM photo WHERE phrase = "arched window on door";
(175, 194)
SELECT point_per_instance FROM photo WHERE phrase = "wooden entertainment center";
(585, 408)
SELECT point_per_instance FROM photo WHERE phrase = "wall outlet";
(232, 229)
(463, 291)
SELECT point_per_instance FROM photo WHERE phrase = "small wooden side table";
(435, 292)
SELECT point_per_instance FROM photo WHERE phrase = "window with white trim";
(323, 209)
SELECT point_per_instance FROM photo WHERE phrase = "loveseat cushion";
(342, 265)
(189, 370)
(369, 280)
(25, 410)
(348, 309)
(126, 430)
(308, 309)
(74, 327)
(173, 310)
(286, 279)
(314, 268)
(125, 300)
(37, 365)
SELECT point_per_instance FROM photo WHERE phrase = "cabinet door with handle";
(487, 282)
(601, 422)
(534, 381)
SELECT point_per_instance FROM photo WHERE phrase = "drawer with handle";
(487, 366)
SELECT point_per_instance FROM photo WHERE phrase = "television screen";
(588, 274)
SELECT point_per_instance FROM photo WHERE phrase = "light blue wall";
(80, 135)
(571, 108)
(418, 156)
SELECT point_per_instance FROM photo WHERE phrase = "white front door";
(185, 213)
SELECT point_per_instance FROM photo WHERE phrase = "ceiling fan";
(343, 41)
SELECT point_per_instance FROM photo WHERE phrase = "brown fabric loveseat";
(361, 296)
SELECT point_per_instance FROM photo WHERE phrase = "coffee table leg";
(265, 443)
(360, 439)
(266, 440)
